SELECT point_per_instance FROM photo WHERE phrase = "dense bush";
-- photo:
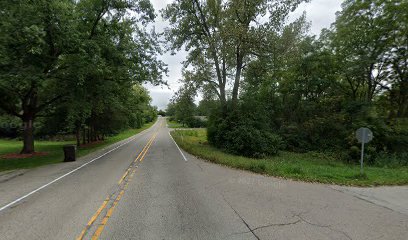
(315, 134)
(384, 159)
(195, 122)
(388, 147)
(238, 134)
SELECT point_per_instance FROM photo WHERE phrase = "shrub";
(316, 134)
(195, 122)
(239, 135)
(385, 159)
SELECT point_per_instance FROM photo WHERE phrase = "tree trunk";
(84, 136)
(93, 134)
(403, 99)
(28, 136)
(78, 136)
(237, 78)
(88, 135)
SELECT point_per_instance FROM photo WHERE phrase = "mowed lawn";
(54, 150)
(311, 167)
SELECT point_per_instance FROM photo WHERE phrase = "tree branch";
(97, 19)
(45, 104)
(10, 111)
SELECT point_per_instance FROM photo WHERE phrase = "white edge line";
(185, 159)
(61, 177)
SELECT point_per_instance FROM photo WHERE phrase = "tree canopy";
(298, 92)
(221, 37)
(85, 56)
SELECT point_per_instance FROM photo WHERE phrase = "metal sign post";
(364, 135)
(362, 157)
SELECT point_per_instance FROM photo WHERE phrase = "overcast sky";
(321, 13)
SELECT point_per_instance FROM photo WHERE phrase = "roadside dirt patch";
(18, 155)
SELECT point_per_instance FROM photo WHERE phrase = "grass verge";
(310, 167)
(54, 150)
(174, 124)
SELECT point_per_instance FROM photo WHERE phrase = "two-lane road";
(144, 188)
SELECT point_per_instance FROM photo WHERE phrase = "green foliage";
(239, 134)
(196, 122)
(312, 92)
(206, 106)
(182, 106)
(171, 110)
(161, 113)
(312, 166)
(9, 126)
(222, 36)
(319, 92)
(393, 160)
(80, 60)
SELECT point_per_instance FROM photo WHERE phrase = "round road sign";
(364, 135)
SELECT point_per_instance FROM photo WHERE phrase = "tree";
(206, 107)
(88, 53)
(34, 35)
(184, 107)
(396, 18)
(116, 56)
(367, 44)
(161, 112)
(222, 36)
(171, 109)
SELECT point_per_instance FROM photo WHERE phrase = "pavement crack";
(357, 196)
(299, 217)
(310, 223)
(277, 225)
(242, 219)
(302, 219)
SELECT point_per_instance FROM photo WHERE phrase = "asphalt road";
(144, 188)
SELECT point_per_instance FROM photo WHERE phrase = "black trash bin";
(69, 153)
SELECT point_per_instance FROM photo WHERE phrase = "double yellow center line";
(122, 188)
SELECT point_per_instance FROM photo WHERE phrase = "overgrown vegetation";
(171, 123)
(241, 134)
(182, 109)
(311, 166)
(295, 92)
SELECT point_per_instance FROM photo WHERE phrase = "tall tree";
(183, 102)
(396, 19)
(34, 35)
(362, 39)
(222, 36)
(87, 51)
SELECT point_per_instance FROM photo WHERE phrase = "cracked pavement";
(170, 198)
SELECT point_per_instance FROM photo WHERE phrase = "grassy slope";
(312, 167)
(54, 149)
(174, 124)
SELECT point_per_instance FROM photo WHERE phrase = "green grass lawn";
(311, 167)
(174, 124)
(54, 150)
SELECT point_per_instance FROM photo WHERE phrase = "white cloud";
(162, 94)
(321, 13)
